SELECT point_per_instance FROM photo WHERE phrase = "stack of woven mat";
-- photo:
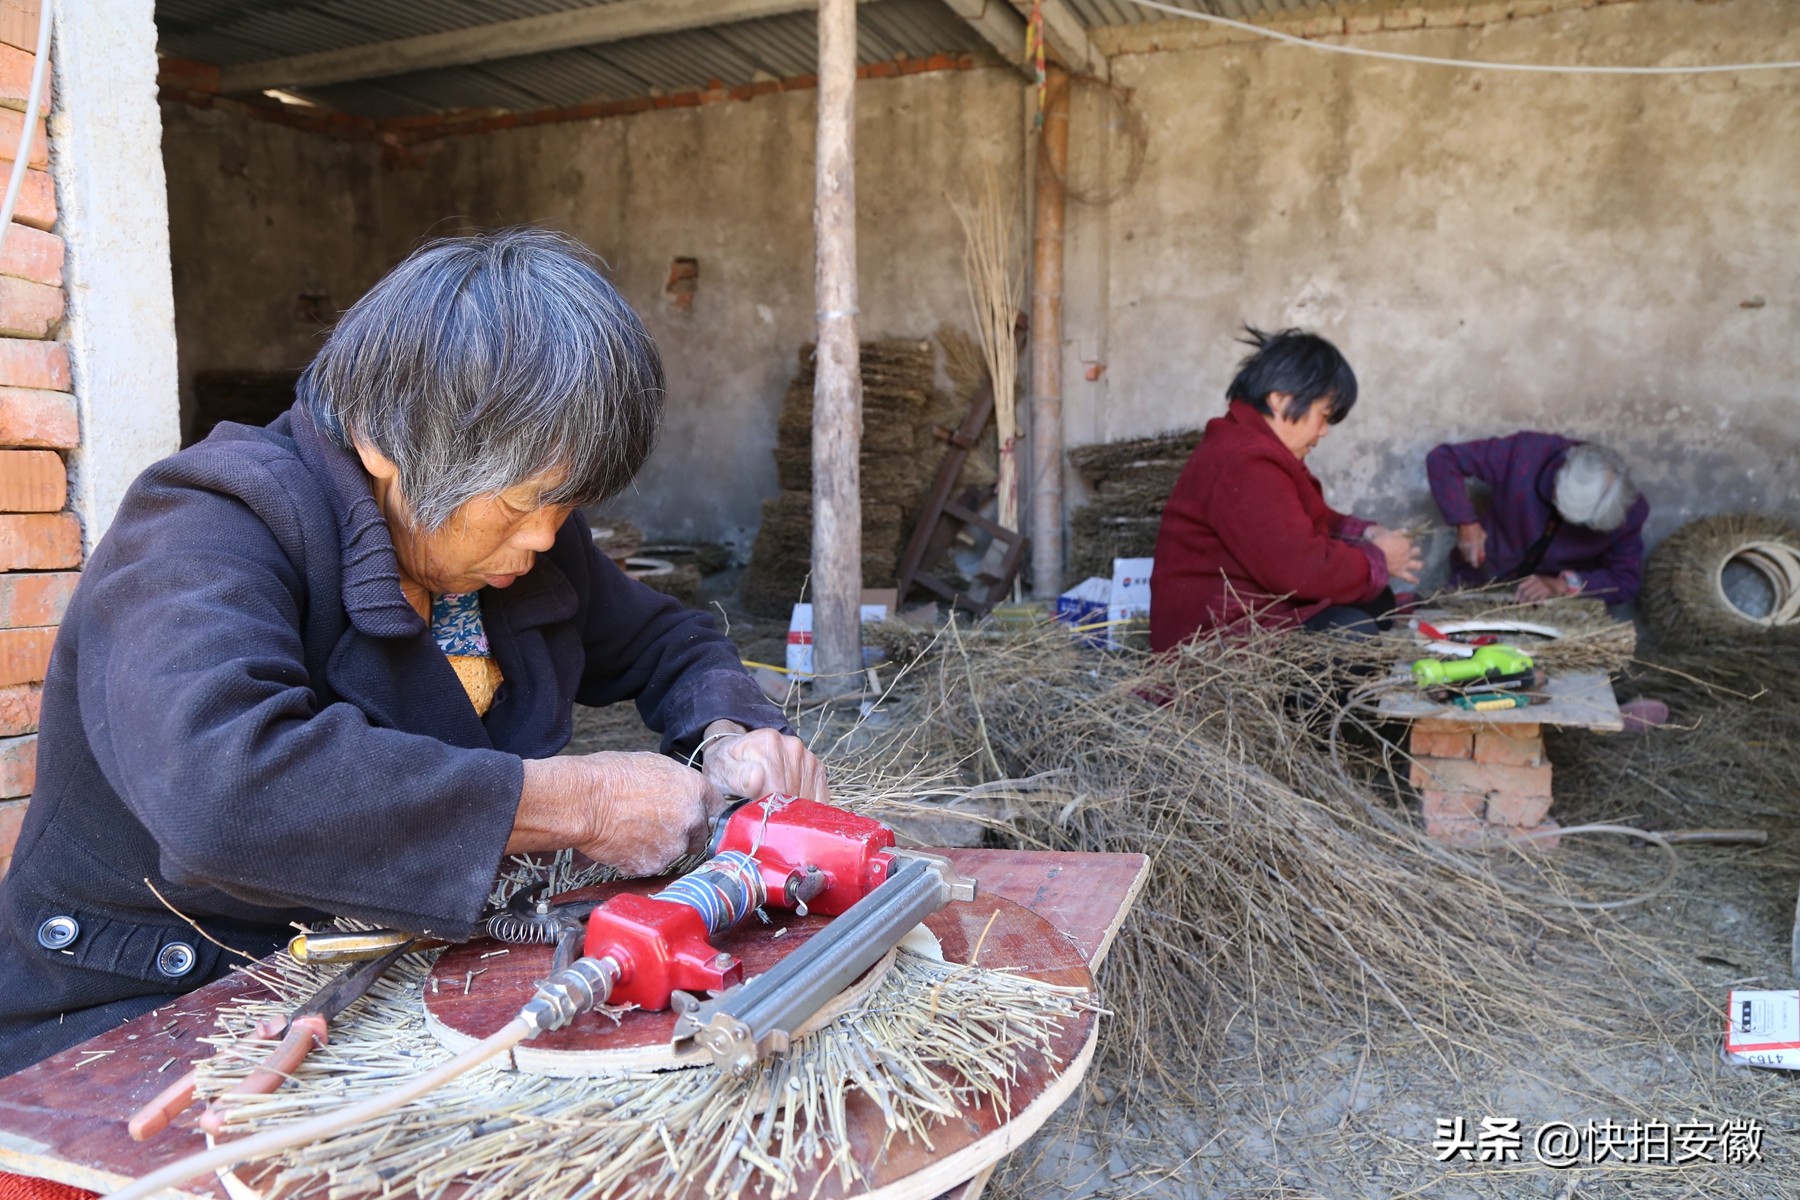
(1131, 482)
(899, 399)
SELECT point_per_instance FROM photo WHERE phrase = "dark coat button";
(176, 960)
(58, 933)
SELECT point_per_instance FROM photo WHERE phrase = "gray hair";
(483, 362)
(1593, 488)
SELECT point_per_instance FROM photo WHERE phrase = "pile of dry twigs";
(1308, 986)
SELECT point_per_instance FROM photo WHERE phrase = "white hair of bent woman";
(483, 362)
(1593, 488)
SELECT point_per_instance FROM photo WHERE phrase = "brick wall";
(40, 539)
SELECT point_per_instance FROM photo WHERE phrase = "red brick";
(18, 772)
(1458, 831)
(25, 363)
(32, 481)
(1457, 805)
(40, 418)
(1516, 810)
(29, 309)
(1450, 775)
(39, 541)
(31, 253)
(12, 817)
(15, 79)
(186, 75)
(12, 122)
(19, 708)
(37, 195)
(37, 598)
(1510, 745)
(1442, 739)
(19, 23)
(24, 654)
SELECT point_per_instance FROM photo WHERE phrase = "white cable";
(1430, 60)
(39, 64)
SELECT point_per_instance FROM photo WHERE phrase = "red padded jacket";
(1247, 534)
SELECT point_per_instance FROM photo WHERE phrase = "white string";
(21, 157)
(1476, 64)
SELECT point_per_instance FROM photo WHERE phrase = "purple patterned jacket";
(1521, 470)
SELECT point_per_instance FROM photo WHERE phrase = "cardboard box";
(877, 603)
(1130, 595)
(1762, 1029)
(1085, 604)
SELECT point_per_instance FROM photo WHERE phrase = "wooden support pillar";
(1046, 344)
(837, 381)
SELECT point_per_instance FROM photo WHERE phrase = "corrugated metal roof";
(227, 32)
(231, 32)
(1124, 12)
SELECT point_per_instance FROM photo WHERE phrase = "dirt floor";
(1622, 1042)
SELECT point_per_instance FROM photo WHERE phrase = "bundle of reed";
(992, 269)
(1589, 639)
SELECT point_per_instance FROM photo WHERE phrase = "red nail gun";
(779, 851)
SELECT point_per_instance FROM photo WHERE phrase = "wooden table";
(1577, 700)
(1483, 777)
(64, 1119)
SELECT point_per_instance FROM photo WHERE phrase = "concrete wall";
(272, 233)
(1612, 257)
(1608, 256)
(731, 186)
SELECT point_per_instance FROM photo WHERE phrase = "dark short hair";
(483, 362)
(1300, 364)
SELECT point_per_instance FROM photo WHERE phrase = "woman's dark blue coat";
(243, 710)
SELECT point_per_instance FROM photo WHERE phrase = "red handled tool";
(301, 1031)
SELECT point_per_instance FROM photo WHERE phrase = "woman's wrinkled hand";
(1403, 561)
(761, 761)
(636, 812)
(1471, 543)
(1535, 589)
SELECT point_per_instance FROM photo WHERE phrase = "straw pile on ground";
(1308, 986)
(1131, 481)
(898, 397)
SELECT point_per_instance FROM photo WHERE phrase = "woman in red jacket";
(1247, 535)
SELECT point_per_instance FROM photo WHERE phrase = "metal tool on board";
(299, 1033)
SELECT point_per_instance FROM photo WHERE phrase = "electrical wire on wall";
(1476, 64)
(39, 66)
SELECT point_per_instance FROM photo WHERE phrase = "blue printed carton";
(1085, 604)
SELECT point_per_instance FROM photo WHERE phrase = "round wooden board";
(1010, 938)
(460, 1010)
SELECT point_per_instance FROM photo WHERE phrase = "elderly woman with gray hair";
(1563, 516)
(324, 668)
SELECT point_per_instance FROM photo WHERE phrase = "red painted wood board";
(64, 1119)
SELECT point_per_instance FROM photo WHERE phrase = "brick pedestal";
(1479, 783)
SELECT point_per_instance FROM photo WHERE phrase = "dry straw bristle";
(934, 1040)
